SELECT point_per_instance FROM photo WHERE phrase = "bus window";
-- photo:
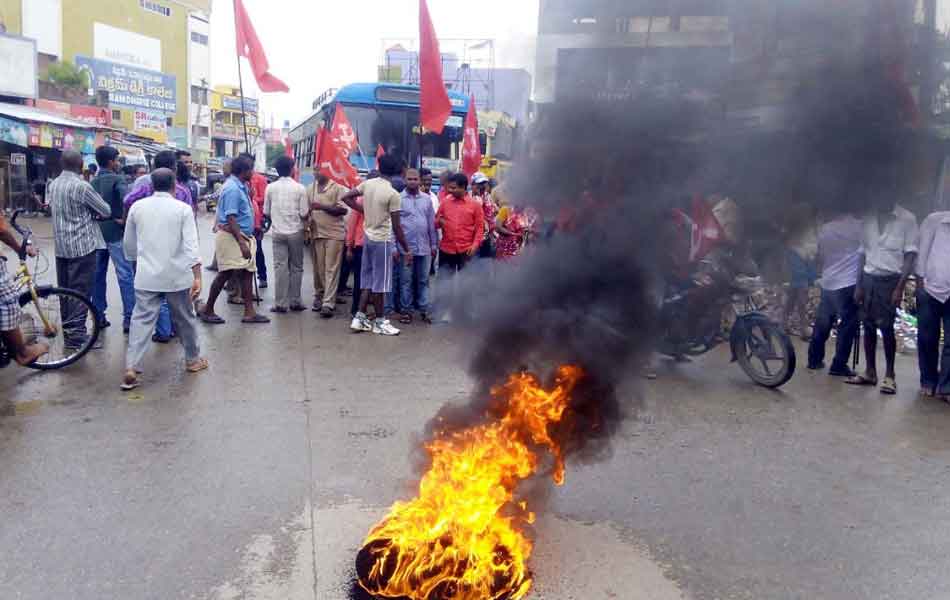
(376, 127)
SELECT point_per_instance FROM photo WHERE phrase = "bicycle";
(42, 310)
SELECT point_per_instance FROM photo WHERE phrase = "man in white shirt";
(285, 204)
(933, 308)
(839, 259)
(889, 247)
(162, 239)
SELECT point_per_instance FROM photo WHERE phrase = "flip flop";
(211, 319)
(130, 384)
(256, 319)
(860, 380)
(405, 319)
(889, 386)
(196, 367)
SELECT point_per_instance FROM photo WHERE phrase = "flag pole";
(247, 140)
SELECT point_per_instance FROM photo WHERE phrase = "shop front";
(31, 143)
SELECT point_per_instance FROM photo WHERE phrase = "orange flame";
(461, 538)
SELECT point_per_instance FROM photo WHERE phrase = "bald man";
(76, 208)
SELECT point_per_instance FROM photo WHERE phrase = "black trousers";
(356, 266)
(934, 364)
(77, 274)
(450, 264)
(259, 258)
(835, 304)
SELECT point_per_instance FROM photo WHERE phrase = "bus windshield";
(393, 129)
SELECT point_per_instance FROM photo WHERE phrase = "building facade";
(137, 51)
(227, 122)
(199, 73)
(613, 47)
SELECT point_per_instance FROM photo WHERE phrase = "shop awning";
(36, 115)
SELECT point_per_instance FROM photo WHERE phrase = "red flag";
(434, 105)
(250, 46)
(332, 161)
(471, 149)
(342, 132)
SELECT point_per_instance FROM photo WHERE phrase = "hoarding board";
(131, 87)
(127, 47)
(18, 67)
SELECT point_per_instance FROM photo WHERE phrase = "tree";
(66, 74)
(274, 151)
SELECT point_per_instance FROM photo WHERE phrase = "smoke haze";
(605, 174)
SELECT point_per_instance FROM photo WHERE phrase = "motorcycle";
(692, 324)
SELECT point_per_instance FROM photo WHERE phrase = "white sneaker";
(360, 323)
(384, 327)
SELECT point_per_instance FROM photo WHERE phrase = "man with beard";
(185, 176)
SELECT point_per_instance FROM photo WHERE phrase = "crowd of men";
(390, 234)
(863, 264)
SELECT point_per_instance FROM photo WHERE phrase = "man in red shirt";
(462, 222)
(258, 187)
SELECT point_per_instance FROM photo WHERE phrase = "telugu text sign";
(132, 87)
(234, 103)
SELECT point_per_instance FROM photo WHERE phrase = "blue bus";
(387, 115)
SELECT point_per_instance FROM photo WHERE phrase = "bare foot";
(31, 354)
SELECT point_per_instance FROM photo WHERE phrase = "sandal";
(928, 392)
(211, 319)
(860, 380)
(406, 319)
(889, 386)
(255, 319)
(199, 365)
(130, 382)
(425, 318)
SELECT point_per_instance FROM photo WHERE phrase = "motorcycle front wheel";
(764, 352)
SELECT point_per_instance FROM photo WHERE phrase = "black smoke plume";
(604, 173)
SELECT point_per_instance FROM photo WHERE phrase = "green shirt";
(112, 187)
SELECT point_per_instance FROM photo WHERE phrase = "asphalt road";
(258, 479)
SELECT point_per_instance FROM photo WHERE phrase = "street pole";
(247, 141)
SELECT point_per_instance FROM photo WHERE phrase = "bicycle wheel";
(57, 318)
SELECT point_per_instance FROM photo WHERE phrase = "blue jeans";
(124, 273)
(163, 327)
(934, 361)
(411, 284)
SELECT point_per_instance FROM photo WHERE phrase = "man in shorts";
(22, 352)
(234, 243)
(380, 208)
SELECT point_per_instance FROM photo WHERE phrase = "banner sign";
(47, 136)
(14, 132)
(151, 124)
(234, 103)
(132, 87)
(96, 116)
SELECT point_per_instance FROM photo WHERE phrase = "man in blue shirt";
(234, 243)
(411, 275)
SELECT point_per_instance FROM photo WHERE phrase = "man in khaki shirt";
(327, 232)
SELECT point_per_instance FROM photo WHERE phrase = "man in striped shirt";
(75, 206)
